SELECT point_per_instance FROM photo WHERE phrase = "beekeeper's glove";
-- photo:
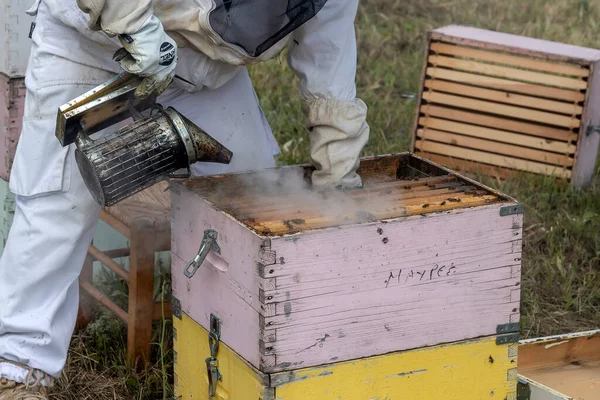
(152, 54)
(338, 132)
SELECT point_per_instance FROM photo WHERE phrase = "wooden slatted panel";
(284, 204)
(517, 61)
(465, 166)
(496, 135)
(500, 111)
(492, 159)
(504, 97)
(505, 84)
(494, 147)
(504, 110)
(499, 123)
(508, 73)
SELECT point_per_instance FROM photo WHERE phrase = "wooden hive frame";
(496, 103)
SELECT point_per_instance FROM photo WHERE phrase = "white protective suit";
(56, 217)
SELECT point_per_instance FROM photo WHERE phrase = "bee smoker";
(138, 155)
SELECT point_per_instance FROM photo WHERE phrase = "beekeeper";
(207, 42)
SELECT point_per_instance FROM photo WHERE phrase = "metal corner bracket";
(508, 333)
(176, 307)
(512, 210)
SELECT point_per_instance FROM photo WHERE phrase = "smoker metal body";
(137, 155)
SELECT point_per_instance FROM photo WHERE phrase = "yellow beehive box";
(496, 103)
(483, 368)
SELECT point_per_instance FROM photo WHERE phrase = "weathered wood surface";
(562, 366)
(460, 270)
(513, 90)
(377, 288)
(384, 284)
(150, 207)
(517, 44)
(589, 144)
(12, 105)
(233, 295)
(470, 370)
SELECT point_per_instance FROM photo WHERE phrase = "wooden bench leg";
(141, 294)
(85, 314)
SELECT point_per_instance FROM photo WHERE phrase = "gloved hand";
(151, 54)
(338, 132)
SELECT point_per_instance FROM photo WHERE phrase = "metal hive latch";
(212, 364)
(209, 242)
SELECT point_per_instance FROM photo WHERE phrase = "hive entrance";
(280, 201)
(495, 112)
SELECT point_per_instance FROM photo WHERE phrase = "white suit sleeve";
(323, 55)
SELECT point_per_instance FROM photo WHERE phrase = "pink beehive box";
(300, 277)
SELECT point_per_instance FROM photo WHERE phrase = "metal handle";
(209, 242)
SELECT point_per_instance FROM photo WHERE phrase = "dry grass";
(561, 262)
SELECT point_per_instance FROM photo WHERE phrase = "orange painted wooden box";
(495, 103)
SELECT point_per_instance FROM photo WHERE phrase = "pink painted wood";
(518, 44)
(589, 144)
(12, 102)
(338, 294)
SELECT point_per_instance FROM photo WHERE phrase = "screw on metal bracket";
(512, 210)
(508, 333)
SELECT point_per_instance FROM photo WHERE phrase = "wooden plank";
(233, 296)
(505, 84)
(494, 147)
(579, 381)
(464, 368)
(508, 73)
(102, 298)
(493, 159)
(499, 123)
(141, 294)
(499, 109)
(558, 350)
(240, 380)
(85, 313)
(160, 310)
(504, 97)
(519, 44)
(434, 204)
(497, 135)
(508, 59)
(347, 285)
(108, 262)
(379, 207)
(467, 166)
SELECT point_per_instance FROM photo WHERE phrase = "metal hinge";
(512, 210)
(175, 307)
(592, 129)
(212, 364)
(508, 333)
(523, 390)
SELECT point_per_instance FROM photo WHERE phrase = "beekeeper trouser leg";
(55, 216)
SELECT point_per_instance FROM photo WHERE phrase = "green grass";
(561, 260)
